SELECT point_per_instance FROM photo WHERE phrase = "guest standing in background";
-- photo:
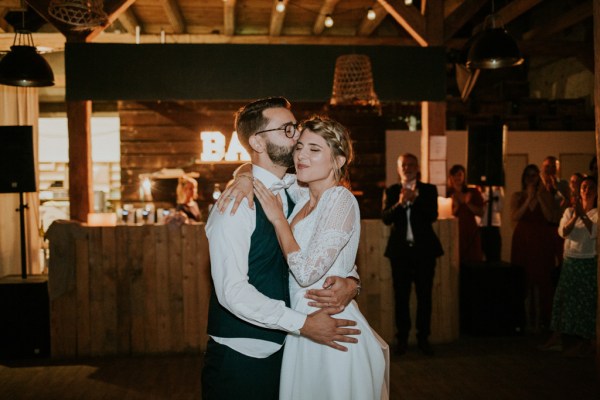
(410, 207)
(187, 193)
(467, 203)
(574, 188)
(575, 301)
(532, 212)
(559, 188)
(489, 223)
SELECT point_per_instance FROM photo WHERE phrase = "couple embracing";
(282, 322)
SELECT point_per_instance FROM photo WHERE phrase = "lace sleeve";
(337, 218)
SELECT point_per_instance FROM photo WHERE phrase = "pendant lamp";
(493, 47)
(23, 65)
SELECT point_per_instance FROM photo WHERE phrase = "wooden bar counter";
(144, 289)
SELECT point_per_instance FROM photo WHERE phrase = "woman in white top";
(575, 300)
(320, 239)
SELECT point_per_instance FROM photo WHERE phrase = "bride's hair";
(338, 139)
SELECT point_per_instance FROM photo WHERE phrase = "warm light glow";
(408, 2)
(213, 146)
(328, 21)
(444, 207)
(280, 7)
(102, 219)
(235, 151)
(371, 15)
(146, 189)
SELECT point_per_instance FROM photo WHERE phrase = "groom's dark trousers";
(228, 374)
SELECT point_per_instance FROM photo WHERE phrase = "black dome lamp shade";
(493, 47)
(23, 65)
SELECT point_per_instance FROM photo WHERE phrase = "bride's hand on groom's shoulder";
(322, 328)
(271, 204)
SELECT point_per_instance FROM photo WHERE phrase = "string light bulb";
(328, 21)
(280, 7)
(371, 15)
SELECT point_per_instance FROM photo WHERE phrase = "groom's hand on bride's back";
(322, 328)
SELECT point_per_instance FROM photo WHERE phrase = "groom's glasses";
(290, 129)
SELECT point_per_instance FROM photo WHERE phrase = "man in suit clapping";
(410, 207)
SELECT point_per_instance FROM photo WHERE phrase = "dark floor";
(470, 368)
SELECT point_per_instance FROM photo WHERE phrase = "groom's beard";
(280, 155)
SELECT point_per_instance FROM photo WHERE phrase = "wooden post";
(597, 112)
(80, 159)
(433, 114)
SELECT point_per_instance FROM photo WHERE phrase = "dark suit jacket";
(423, 213)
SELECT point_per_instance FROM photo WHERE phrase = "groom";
(249, 315)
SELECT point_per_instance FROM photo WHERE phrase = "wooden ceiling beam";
(4, 26)
(514, 9)
(57, 40)
(11, 4)
(229, 17)
(326, 9)
(367, 27)
(277, 19)
(113, 10)
(450, 6)
(129, 21)
(408, 17)
(174, 15)
(564, 21)
(460, 16)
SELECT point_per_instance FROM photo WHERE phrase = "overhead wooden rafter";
(129, 21)
(460, 16)
(174, 15)
(229, 17)
(409, 18)
(515, 9)
(367, 26)
(327, 8)
(577, 14)
(277, 18)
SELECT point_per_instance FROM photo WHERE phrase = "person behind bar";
(187, 193)
(410, 207)
(249, 314)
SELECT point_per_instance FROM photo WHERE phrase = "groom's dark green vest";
(267, 272)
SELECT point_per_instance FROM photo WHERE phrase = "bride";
(320, 238)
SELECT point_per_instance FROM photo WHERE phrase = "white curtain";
(19, 106)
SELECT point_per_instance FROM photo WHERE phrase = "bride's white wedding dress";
(328, 238)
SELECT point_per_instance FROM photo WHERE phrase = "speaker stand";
(21, 211)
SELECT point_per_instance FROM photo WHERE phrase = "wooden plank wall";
(377, 297)
(144, 289)
(156, 135)
(128, 289)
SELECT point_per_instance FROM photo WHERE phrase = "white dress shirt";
(411, 185)
(229, 244)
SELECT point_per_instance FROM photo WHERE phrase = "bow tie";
(284, 183)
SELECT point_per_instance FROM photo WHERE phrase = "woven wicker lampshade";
(81, 14)
(353, 81)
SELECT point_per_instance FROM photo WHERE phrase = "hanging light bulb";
(280, 7)
(328, 21)
(371, 15)
(408, 2)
